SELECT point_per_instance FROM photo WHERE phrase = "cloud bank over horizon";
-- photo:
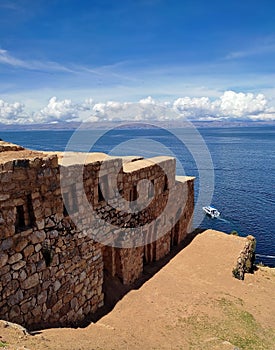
(229, 106)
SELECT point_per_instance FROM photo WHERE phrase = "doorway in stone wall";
(150, 249)
(175, 232)
(113, 287)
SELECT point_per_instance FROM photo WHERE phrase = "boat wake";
(224, 220)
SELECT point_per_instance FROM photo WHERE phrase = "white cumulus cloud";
(147, 101)
(193, 107)
(57, 111)
(12, 113)
(144, 110)
(239, 105)
(229, 106)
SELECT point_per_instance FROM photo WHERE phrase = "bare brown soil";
(193, 302)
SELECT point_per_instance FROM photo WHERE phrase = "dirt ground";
(193, 302)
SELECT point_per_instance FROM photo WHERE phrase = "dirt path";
(191, 303)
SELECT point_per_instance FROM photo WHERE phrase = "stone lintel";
(183, 179)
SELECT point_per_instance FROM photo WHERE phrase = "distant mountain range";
(131, 125)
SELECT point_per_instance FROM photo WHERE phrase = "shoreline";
(124, 125)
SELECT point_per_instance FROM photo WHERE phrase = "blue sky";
(128, 50)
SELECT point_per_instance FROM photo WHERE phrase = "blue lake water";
(243, 162)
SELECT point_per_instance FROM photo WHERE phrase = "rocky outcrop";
(245, 261)
(6, 146)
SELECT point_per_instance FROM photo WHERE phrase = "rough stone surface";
(3, 259)
(30, 282)
(57, 249)
(246, 259)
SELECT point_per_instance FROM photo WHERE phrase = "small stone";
(25, 306)
(56, 285)
(40, 224)
(28, 251)
(74, 303)
(49, 223)
(14, 258)
(30, 282)
(42, 297)
(6, 278)
(38, 237)
(60, 273)
(19, 244)
(15, 298)
(57, 306)
(18, 265)
(41, 265)
(22, 275)
(68, 297)
(6, 244)
(36, 313)
(82, 276)
(51, 301)
(3, 259)
(38, 247)
(14, 312)
(78, 288)
(15, 275)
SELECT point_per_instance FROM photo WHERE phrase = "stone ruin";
(67, 225)
(246, 259)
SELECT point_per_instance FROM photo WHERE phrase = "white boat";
(211, 211)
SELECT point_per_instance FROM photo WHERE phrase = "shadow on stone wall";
(114, 290)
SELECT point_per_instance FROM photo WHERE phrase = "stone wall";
(66, 225)
(50, 274)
